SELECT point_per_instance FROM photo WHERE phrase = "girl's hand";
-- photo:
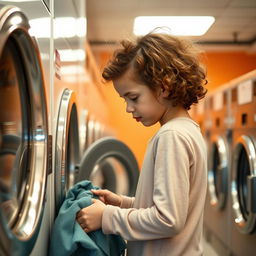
(108, 197)
(90, 217)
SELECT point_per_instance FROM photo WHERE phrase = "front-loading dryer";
(219, 136)
(243, 175)
(106, 161)
(110, 164)
(25, 143)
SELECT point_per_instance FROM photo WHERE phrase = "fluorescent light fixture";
(63, 27)
(18, 1)
(175, 25)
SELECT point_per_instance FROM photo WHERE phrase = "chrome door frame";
(245, 226)
(67, 121)
(218, 200)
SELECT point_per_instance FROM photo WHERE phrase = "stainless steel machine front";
(24, 149)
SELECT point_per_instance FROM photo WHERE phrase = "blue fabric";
(68, 238)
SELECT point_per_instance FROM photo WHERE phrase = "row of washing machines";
(228, 120)
(50, 136)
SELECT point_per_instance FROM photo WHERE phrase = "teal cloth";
(68, 238)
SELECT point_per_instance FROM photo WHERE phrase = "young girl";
(159, 77)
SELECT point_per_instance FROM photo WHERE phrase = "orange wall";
(221, 66)
(224, 66)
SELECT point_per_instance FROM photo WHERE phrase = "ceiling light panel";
(175, 25)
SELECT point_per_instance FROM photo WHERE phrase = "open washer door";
(67, 153)
(243, 185)
(24, 142)
(110, 164)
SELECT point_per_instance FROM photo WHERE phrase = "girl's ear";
(165, 91)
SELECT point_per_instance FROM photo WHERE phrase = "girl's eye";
(131, 98)
(134, 98)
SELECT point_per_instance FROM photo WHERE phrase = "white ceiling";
(235, 20)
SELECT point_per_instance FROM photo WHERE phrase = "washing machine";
(219, 141)
(105, 160)
(25, 149)
(243, 174)
(110, 164)
(108, 172)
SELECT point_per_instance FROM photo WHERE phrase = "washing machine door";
(243, 184)
(67, 153)
(110, 164)
(218, 172)
(24, 138)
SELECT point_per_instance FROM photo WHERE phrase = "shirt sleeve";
(127, 202)
(168, 214)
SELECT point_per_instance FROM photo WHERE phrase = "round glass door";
(243, 185)
(11, 177)
(218, 172)
(110, 164)
(111, 174)
(24, 135)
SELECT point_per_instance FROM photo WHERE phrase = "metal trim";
(67, 122)
(218, 199)
(110, 147)
(245, 226)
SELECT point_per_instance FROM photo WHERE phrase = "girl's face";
(145, 105)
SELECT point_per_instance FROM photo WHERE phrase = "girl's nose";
(129, 108)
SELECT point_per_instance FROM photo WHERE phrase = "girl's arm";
(168, 214)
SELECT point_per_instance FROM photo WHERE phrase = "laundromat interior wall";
(222, 66)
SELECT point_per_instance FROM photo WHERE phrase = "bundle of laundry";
(68, 238)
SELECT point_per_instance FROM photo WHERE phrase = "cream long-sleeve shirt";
(166, 215)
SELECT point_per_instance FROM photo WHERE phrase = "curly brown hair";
(162, 60)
